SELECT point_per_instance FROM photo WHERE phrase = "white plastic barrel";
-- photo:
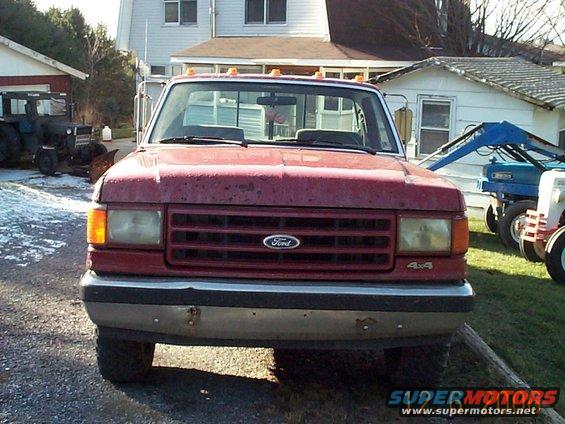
(106, 133)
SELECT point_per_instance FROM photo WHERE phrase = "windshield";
(275, 113)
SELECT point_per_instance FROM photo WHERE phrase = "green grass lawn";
(118, 133)
(519, 310)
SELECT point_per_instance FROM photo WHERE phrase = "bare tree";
(481, 27)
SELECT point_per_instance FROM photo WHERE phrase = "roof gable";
(516, 77)
(42, 58)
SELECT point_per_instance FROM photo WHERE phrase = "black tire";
(84, 155)
(123, 361)
(490, 220)
(98, 149)
(555, 256)
(47, 161)
(10, 146)
(417, 366)
(508, 226)
(528, 251)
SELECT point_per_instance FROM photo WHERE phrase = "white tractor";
(543, 237)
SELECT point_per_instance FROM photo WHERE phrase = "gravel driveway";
(47, 363)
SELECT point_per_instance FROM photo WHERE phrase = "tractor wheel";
(10, 146)
(528, 251)
(512, 222)
(47, 161)
(98, 149)
(84, 155)
(555, 256)
(491, 222)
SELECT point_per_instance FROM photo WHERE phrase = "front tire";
(512, 222)
(417, 366)
(555, 256)
(47, 161)
(98, 149)
(123, 361)
(528, 251)
(490, 220)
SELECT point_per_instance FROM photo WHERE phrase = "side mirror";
(403, 118)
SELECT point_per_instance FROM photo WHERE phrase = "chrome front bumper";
(257, 311)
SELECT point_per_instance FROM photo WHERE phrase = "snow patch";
(35, 178)
(32, 220)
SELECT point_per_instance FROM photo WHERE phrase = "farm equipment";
(41, 124)
(518, 159)
(543, 236)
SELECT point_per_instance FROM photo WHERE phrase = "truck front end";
(275, 212)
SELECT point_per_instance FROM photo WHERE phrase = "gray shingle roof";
(517, 77)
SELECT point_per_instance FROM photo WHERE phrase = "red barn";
(23, 69)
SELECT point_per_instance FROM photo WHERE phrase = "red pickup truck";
(279, 212)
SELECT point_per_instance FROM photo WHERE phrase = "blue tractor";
(518, 159)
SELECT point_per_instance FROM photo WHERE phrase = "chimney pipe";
(213, 18)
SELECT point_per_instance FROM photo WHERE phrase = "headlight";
(69, 131)
(424, 235)
(134, 227)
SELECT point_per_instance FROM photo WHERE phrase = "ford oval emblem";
(281, 242)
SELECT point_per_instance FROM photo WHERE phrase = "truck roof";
(32, 95)
(271, 78)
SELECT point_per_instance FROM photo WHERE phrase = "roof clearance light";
(359, 78)
(276, 73)
(319, 75)
(232, 72)
(191, 72)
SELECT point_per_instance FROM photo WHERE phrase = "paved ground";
(47, 363)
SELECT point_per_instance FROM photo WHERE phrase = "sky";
(95, 11)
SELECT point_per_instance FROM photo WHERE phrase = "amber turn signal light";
(460, 236)
(96, 227)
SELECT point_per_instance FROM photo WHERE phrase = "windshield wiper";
(325, 143)
(201, 140)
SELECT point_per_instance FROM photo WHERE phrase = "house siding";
(304, 19)
(163, 40)
(474, 103)
(13, 63)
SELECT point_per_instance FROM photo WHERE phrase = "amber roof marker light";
(275, 73)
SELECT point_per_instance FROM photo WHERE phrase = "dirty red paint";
(278, 177)
(154, 263)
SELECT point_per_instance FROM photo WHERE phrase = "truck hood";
(267, 176)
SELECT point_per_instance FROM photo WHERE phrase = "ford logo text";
(281, 242)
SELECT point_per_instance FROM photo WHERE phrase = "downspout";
(213, 31)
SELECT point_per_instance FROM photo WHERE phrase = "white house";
(450, 95)
(297, 36)
(22, 69)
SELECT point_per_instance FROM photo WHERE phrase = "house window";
(180, 12)
(276, 11)
(158, 70)
(435, 124)
(265, 11)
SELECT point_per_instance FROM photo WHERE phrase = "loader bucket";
(101, 164)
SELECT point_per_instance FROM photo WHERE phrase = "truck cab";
(275, 211)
